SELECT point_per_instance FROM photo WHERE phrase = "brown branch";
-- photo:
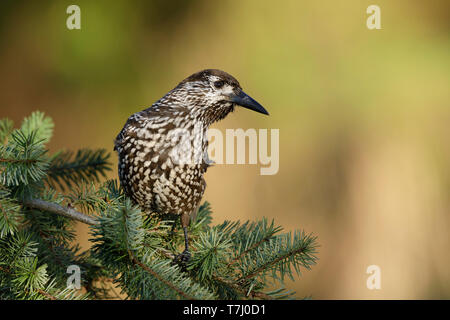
(253, 294)
(261, 295)
(166, 253)
(5, 269)
(46, 294)
(17, 161)
(57, 209)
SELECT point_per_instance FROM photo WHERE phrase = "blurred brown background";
(363, 115)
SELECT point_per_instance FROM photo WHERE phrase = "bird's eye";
(219, 84)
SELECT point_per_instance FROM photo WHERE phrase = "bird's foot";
(182, 259)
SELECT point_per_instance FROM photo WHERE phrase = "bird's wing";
(151, 119)
(135, 121)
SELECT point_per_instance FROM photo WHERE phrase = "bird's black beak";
(246, 101)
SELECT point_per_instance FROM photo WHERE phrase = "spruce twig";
(57, 209)
(157, 276)
(46, 294)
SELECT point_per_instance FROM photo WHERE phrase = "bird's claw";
(183, 258)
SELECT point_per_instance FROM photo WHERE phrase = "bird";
(162, 150)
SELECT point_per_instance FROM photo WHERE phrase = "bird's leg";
(185, 255)
(172, 230)
(186, 243)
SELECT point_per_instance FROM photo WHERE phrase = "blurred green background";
(364, 115)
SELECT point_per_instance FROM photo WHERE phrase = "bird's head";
(214, 93)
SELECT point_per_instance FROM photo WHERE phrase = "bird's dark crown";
(206, 74)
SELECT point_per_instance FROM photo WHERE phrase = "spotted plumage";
(163, 149)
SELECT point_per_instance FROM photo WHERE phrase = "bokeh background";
(364, 115)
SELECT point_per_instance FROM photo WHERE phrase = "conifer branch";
(157, 276)
(57, 209)
(271, 263)
(137, 250)
(84, 166)
(253, 247)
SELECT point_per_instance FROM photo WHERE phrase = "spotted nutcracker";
(163, 149)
